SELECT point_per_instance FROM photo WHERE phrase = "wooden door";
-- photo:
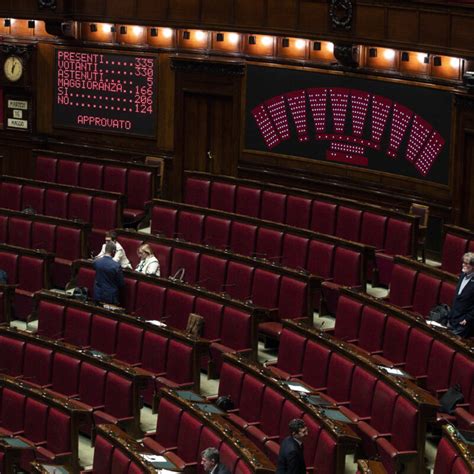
(208, 141)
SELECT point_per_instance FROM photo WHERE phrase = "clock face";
(13, 68)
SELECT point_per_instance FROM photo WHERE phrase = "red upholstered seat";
(58, 437)
(316, 365)
(339, 379)
(188, 260)
(50, 319)
(197, 192)
(361, 395)
(150, 301)
(426, 294)
(118, 407)
(191, 226)
(65, 376)
(439, 367)
(209, 438)
(247, 201)
(398, 241)
(447, 292)
(164, 221)
(462, 373)
(265, 290)
(454, 247)
(46, 168)
(179, 371)
(396, 340)
(103, 453)
(92, 385)
(33, 197)
(223, 196)
(177, 308)
(372, 329)
(139, 192)
(348, 317)
(445, 457)
(298, 211)
(120, 462)
(36, 416)
(402, 286)
(38, 364)
(85, 278)
(129, 344)
(31, 278)
(273, 206)
(67, 172)
(68, 248)
(188, 441)
(12, 412)
(130, 246)
(293, 299)
(320, 259)
(115, 179)
(294, 251)
(250, 402)
(243, 238)
(80, 207)
(323, 217)
(418, 352)
(228, 457)
(56, 203)
(10, 196)
(239, 280)
(373, 229)
(11, 356)
(91, 175)
(4, 229)
(212, 313)
(230, 383)
(212, 273)
(19, 232)
(103, 334)
(164, 255)
(326, 453)
(290, 355)
(348, 223)
(77, 326)
(43, 236)
(217, 232)
(269, 244)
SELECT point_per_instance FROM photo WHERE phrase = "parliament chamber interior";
(302, 170)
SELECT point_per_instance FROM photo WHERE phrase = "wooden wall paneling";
(462, 28)
(282, 14)
(434, 28)
(44, 88)
(184, 10)
(91, 8)
(152, 10)
(25, 6)
(370, 22)
(166, 104)
(467, 201)
(218, 12)
(250, 13)
(120, 8)
(402, 25)
(313, 17)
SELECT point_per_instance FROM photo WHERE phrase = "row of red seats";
(457, 241)
(435, 363)
(135, 180)
(337, 264)
(50, 427)
(289, 294)
(65, 239)
(419, 287)
(103, 212)
(108, 393)
(229, 325)
(28, 269)
(452, 455)
(390, 232)
(387, 418)
(263, 414)
(170, 362)
(182, 435)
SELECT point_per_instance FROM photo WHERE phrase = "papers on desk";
(297, 387)
(435, 324)
(155, 322)
(394, 371)
(154, 458)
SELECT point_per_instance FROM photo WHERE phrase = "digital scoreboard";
(106, 92)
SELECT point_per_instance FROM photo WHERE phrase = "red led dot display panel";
(106, 92)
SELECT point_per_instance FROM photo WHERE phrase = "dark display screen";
(378, 125)
(106, 92)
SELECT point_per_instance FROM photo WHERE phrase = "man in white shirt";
(120, 256)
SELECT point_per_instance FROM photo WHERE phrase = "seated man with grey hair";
(461, 316)
(210, 462)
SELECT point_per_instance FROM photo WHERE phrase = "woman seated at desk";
(148, 264)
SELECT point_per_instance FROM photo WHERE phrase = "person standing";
(108, 277)
(210, 461)
(120, 256)
(291, 456)
(461, 316)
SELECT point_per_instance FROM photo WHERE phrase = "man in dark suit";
(461, 316)
(291, 457)
(108, 277)
(210, 462)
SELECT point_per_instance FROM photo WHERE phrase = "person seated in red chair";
(461, 316)
(148, 264)
(210, 462)
(120, 256)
